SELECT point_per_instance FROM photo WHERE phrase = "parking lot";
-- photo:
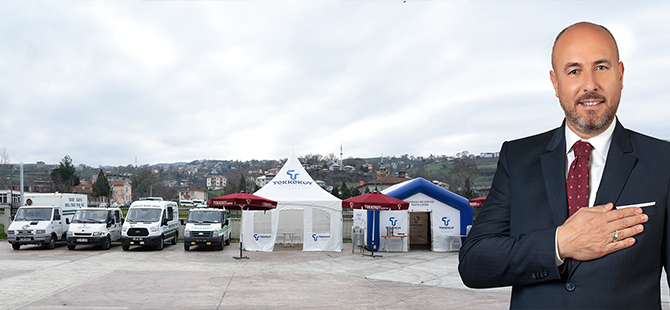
(88, 278)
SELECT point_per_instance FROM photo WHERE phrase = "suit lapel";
(553, 173)
(617, 168)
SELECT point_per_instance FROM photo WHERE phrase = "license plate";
(26, 239)
(82, 240)
(138, 239)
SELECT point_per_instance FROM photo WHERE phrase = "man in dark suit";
(602, 247)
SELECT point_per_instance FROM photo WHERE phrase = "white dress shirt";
(601, 145)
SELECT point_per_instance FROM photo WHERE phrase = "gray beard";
(591, 127)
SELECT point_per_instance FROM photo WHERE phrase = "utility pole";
(21, 199)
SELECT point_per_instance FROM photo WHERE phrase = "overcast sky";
(109, 82)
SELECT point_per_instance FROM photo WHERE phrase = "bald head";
(582, 25)
(587, 77)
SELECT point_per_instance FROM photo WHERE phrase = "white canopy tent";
(320, 226)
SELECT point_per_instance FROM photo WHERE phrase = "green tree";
(242, 185)
(346, 192)
(354, 192)
(462, 175)
(101, 186)
(230, 188)
(336, 192)
(65, 176)
(142, 183)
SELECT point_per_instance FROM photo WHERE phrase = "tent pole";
(375, 228)
(241, 235)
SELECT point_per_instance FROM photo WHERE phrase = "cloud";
(108, 82)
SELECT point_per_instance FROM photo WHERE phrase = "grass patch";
(2, 232)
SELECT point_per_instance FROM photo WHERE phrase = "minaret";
(341, 162)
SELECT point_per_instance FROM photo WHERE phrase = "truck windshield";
(90, 216)
(33, 214)
(204, 217)
(143, 215)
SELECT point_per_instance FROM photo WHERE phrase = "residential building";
(264, 179)
(122, 192)
(192, 193)
(382, 183)
(335, 167)
(216, 182)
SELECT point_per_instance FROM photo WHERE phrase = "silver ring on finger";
(615, 236)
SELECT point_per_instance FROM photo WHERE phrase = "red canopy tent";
(243, 201)
(477, 202)
(374, 201)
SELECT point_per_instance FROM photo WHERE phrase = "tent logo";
(446, 221)
(293, 180)
(292, 174)
(393, 221)
(316, 237)
(256, 236)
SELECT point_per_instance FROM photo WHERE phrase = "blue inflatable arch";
(421, 185)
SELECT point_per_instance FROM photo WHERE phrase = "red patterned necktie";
(578, 177)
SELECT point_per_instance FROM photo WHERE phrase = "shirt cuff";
(557, 258)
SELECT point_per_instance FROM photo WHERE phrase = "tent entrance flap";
(419, 228)
(291, 225)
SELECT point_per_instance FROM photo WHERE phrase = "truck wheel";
(174, 240)
(125, 247)
(161, 243)
(107, 244)
(220, 246)
(16, 246)
(186, 246)
(52, 243)
(71, 246)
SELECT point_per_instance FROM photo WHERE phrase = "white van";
(95, 226)
(208, 227)
(150, 223)
(43, 219)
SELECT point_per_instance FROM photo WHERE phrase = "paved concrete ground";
(88, 278)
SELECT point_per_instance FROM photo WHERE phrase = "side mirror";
(164, 222)
(67, 221)
(123, 221)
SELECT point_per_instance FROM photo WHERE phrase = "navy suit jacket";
(512, 239)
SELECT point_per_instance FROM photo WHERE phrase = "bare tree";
(5, 167)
